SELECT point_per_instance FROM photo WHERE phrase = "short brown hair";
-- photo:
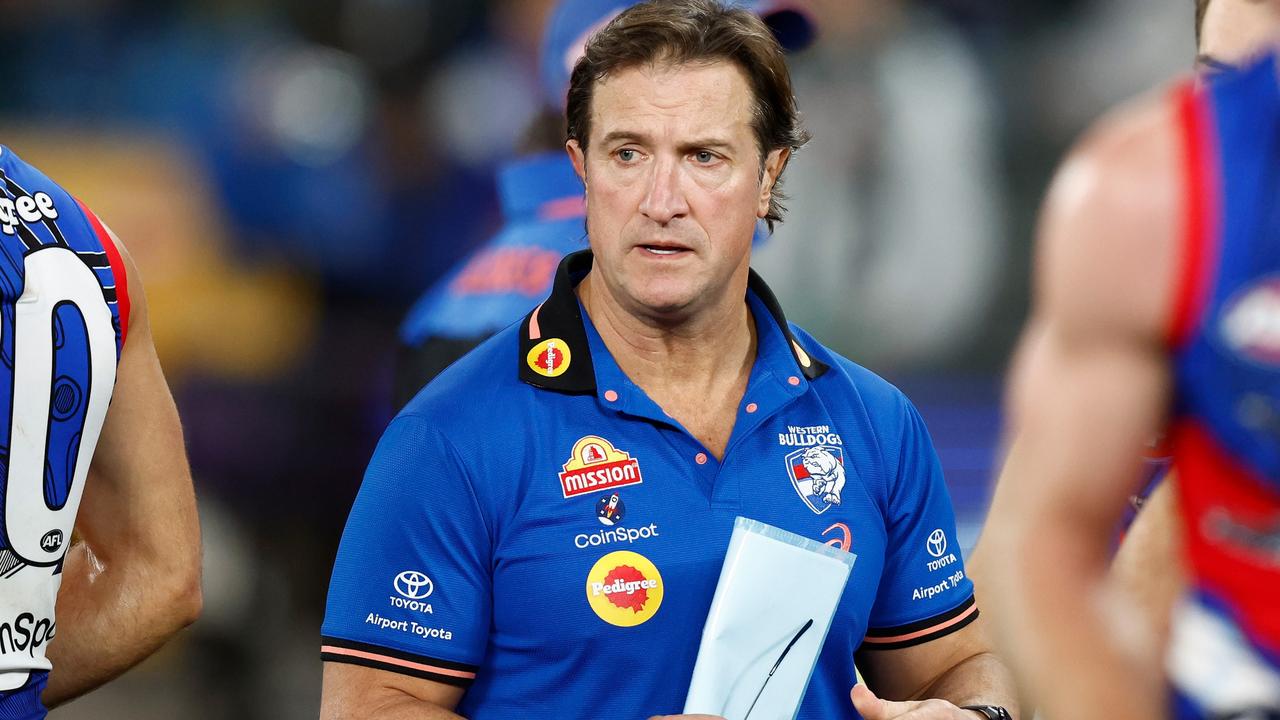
(1201, 7)
(689, 31)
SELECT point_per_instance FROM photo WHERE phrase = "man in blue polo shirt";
(541, 530)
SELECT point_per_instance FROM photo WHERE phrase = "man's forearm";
(980, 680)
(112, 615)
(406, 708)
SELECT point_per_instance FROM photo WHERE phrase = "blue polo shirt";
(534, 528)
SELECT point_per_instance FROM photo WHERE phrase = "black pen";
(803, 628)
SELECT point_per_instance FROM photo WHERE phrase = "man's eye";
(704, 157)
(626, 155)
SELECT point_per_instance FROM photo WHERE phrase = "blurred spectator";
(895, 243)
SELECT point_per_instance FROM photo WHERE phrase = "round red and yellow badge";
(550, 358)
(624, 588)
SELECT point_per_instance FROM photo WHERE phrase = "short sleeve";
(411, 591)
(924, 592)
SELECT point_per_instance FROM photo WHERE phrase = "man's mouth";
(664, 249)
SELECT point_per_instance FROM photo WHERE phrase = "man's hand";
(871, 707)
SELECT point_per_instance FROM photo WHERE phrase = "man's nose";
(664, 199)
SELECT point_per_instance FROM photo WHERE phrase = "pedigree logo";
(596, 465)
(624, 588)
(550, 358)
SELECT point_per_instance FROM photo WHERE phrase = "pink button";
(752, 407)
(611, 395)
(701, 458)
(793, 380)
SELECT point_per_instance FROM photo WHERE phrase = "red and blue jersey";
(64, 310)
(1225, 339)
(534, 528)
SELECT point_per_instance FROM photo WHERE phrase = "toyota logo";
(937, 544)
(413, 585)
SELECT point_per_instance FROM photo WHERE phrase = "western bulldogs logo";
(817, 473)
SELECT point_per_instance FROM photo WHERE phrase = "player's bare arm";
(1148, 565)
(133, 579)
(1085, 398)
(935, 679)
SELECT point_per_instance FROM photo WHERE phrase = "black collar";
(554, 341)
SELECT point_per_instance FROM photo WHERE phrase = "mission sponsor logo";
(596, 465)
(25, 209)
(624, 589)
(1250, 322)
(550, 358)
(412, 590)
(818, 476)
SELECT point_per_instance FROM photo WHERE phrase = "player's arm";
(133, 579)
(937, 678)
(352, 692)
(1148, 565)
(1085, 399)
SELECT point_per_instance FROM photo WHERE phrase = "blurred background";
(290, 175)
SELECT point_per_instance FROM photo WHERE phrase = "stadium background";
(290, 174)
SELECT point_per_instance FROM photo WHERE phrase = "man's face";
(1236, 30)
(674, 186)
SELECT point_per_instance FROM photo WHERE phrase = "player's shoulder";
(1128, 163)
(49, 212)
(23, 176)
(1107, 243)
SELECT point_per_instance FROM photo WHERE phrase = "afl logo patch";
(550, 358)
(624, 589)
(1250, 323)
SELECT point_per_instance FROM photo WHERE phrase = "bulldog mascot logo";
(817, 473)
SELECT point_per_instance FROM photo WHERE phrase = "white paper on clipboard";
(768, 621)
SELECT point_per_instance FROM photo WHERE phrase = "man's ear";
(773, 167)
(578, 157)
